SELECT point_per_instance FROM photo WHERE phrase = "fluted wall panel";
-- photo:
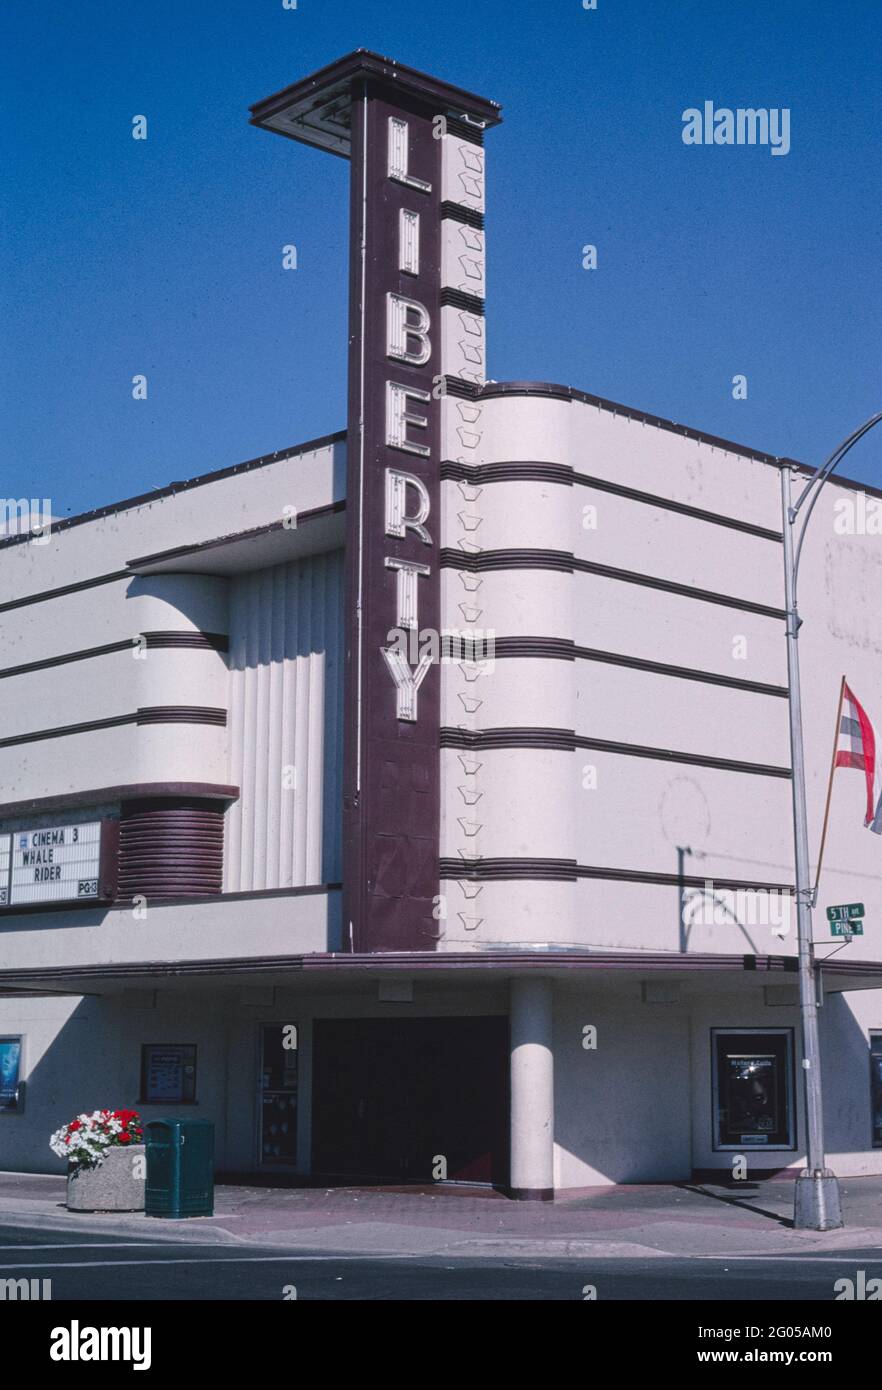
(286, 668)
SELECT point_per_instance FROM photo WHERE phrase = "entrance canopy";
(323, 971)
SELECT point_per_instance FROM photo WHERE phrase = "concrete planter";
(111, 1186)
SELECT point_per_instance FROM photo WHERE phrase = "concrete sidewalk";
(682, 1219)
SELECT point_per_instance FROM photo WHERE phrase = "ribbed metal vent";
(171, 848)
(457, 213)
(458, 299)
(465, 130)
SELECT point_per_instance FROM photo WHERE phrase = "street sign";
(848, 912)
(846, 928)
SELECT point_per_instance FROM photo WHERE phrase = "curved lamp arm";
(816, 483)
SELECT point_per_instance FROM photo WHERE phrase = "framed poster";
(5, 861)
(168, 1074)
(753, 1088)
(11, 1101)
(876, 1087)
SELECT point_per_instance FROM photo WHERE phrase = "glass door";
(278, 1095)
(876, 1086)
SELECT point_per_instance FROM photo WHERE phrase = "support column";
(532, 1091)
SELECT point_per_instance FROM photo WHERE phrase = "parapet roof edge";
(262, 461)
(555, 391)
(548, 389)
(363, 62)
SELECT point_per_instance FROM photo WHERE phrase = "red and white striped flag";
(859, 747)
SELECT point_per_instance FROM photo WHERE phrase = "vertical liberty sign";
(416, 229)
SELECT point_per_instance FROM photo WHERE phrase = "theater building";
(414, 803)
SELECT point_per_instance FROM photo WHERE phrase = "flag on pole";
(858, 746)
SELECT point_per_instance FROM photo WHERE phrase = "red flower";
(125, 1138)
(125, 1117)
(73, 1127)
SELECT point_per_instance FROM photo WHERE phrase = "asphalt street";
(83, 1269)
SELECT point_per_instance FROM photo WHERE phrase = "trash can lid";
(178, 1122)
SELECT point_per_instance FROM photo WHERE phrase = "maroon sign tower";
(416, 336)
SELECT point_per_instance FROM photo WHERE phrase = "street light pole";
(817, 1204)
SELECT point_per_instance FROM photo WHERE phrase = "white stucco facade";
(589, 855)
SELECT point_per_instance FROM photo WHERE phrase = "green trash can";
(180, 1168)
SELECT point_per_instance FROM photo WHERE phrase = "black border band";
(564, 649)
(149, 714)
(537, 470)
(566, 562)
(567, 741)
(671, 586)
(686, 673)
(568, 870)
(64, 590)
(459, 299)
(671, 755)
(455, 212)
(203, 641)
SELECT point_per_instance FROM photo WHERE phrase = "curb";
(151, 1228)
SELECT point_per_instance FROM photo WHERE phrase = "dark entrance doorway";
(391, 1096)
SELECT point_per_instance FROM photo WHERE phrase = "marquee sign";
(416, 228)
(55, 864)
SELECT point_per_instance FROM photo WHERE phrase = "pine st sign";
(416, 199)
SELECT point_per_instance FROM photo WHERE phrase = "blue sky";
(164, 256)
